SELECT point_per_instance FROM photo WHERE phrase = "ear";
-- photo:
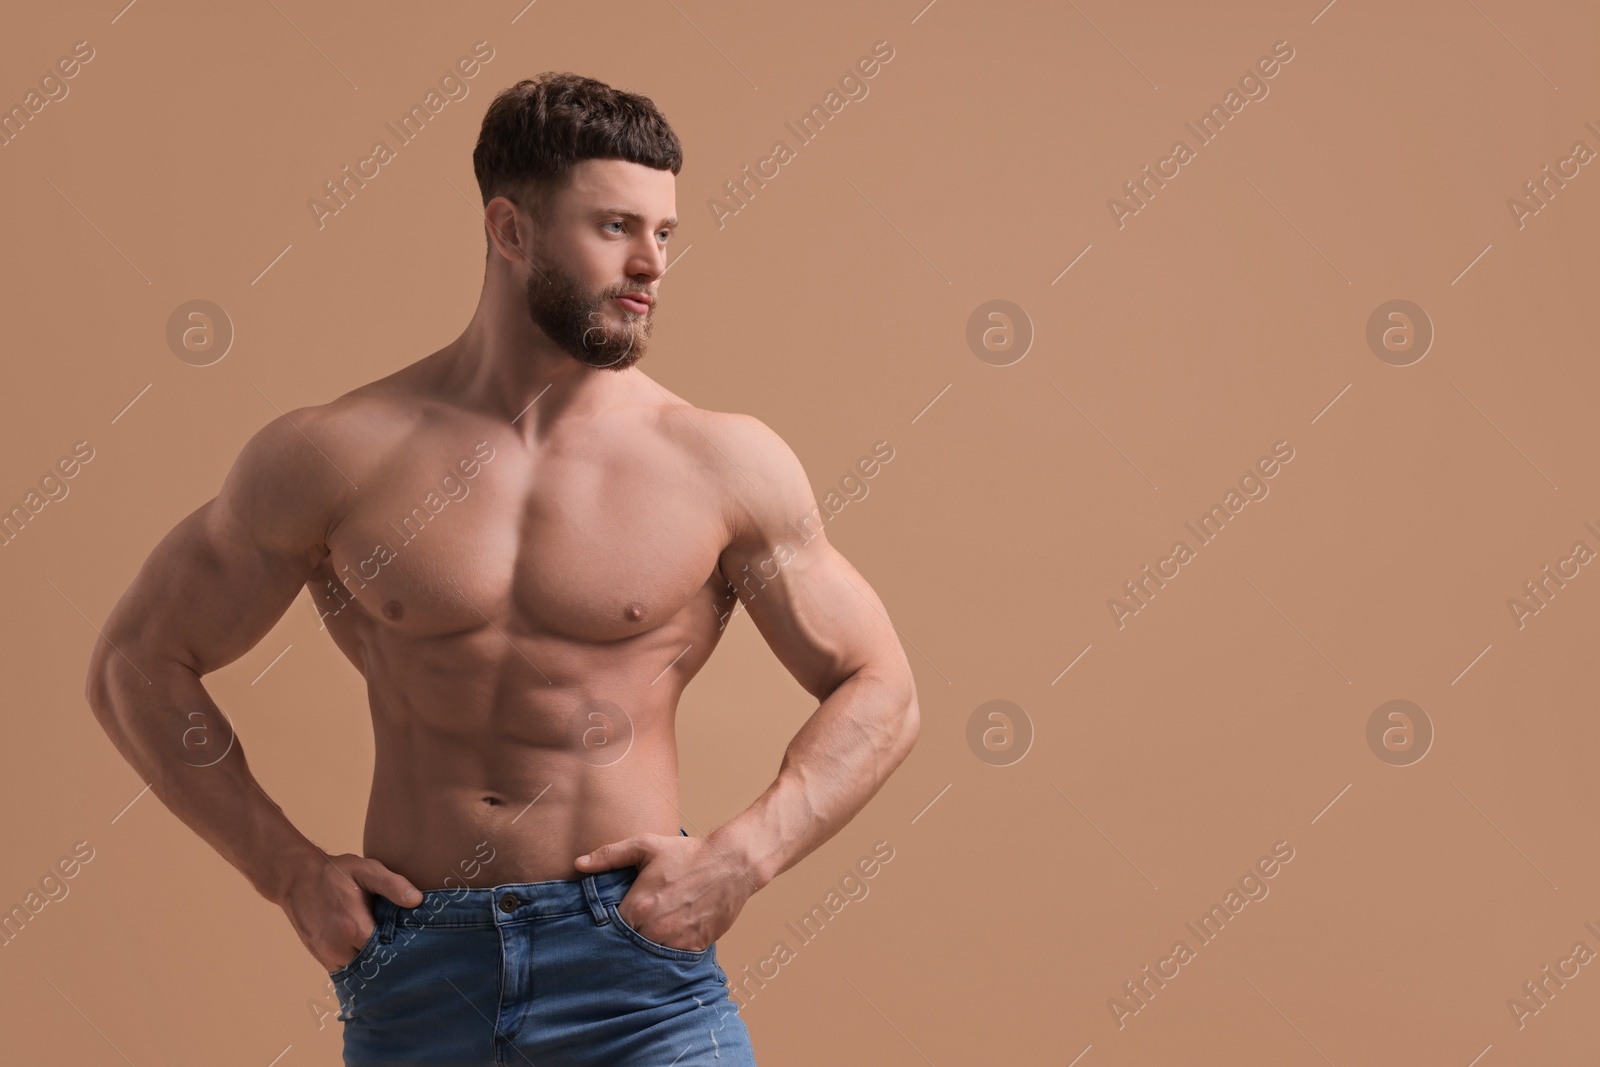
(509, 230)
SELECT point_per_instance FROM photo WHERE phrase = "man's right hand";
(327, 905)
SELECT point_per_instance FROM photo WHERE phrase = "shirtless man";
(528, 548)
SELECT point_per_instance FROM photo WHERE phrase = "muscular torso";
(526, 615)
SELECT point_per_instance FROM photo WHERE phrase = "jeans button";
(509, 903)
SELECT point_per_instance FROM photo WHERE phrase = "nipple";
(393, 610)
(635, 611)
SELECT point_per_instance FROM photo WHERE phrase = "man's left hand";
(688, 891)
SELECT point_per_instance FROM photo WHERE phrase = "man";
(528, 548)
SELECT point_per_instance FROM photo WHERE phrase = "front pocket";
(366, 950)
(655, 947)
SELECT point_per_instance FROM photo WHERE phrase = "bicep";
(223, 577)
(820, 617)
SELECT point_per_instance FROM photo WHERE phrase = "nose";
(649, 262)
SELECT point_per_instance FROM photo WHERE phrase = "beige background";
(1228, 314)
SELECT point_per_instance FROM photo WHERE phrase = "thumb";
(630, 851)
(381, 880)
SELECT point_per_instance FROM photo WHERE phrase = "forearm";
(835, 764)
(166, 726)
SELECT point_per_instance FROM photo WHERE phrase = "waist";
(509, 901)
(453, 838)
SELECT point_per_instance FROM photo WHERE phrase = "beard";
(577, 320)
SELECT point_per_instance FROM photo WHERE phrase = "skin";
(524, 653)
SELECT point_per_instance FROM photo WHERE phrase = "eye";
(614, 222)
(664, 234)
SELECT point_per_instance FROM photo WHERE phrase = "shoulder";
(758, 478)
(755, 478)
(312, 440)
(357, 429)
(729, 442)
(301, 471)
(749, 442)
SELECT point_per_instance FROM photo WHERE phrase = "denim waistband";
(509, 902)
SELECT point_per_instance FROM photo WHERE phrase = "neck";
(505, 365)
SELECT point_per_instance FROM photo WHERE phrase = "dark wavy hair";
(535, 131)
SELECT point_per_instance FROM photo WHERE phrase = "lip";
(636, 302)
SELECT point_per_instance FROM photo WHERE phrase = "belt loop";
(592, 895)
(387, 912)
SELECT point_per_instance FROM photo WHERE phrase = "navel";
(492, 801)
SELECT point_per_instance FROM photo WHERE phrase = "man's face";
(605, 240)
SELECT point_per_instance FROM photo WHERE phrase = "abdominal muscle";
(487, 773)
(450, 834)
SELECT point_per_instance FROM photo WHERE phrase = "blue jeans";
(534, 974)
